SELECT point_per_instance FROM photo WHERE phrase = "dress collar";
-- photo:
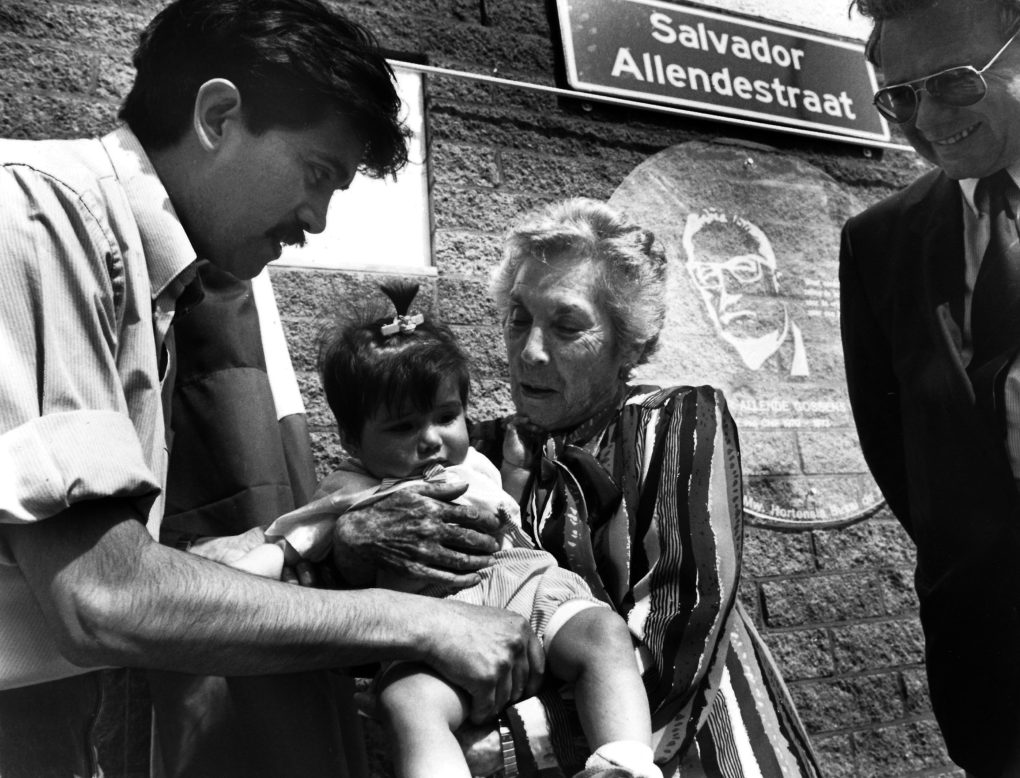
(588, 433)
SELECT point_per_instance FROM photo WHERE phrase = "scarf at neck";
(572, 495)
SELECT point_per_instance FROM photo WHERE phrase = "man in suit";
(930, 332)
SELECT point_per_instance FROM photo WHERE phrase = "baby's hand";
(265, 560)
(520, 442)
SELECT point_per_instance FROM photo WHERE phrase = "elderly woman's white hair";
(630, 265)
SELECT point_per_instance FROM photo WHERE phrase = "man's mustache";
(289, 234)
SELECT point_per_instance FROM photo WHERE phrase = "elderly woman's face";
(564, 364)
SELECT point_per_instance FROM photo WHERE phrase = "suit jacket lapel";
(937, 221)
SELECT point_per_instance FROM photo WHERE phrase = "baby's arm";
(422, 711)
(305, 533)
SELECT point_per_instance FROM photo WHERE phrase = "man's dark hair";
(882, 10)
(364, 370)
(294, 62)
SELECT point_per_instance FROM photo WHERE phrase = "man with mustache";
(931, 329)
(244, 118)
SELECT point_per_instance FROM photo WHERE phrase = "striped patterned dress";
(645, 505)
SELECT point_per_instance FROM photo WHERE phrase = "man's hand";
(416, 533)
(490, 653)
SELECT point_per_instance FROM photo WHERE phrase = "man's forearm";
(115, 597)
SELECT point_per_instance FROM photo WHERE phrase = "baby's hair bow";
(402, 324)
(401, 294)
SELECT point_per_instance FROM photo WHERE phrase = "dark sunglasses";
(960, 86)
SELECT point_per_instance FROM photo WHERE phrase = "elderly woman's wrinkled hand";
(416, 533)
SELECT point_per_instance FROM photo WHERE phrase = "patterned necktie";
(995, 305)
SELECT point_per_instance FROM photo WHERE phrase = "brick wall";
(836, 607)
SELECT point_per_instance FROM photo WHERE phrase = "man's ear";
(217, 103)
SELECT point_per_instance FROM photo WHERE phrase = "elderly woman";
(635, 488)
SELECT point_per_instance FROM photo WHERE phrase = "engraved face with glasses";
(961, 117)
(732, 266)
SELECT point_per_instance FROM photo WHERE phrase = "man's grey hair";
(882, 10)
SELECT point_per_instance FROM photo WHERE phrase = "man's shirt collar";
(969, 185)
(168, 251)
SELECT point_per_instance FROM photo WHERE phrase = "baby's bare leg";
(593, 650)
(422, 711)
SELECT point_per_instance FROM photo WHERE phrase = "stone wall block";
(460, 166)
(393, 30)
(899, 747)
(28, 115)
(898, 591)
(775, 452)
(821, 599)
(489, 399)
(317, 411)
(485, 347)
(750, 598)
(509, 55)
(446, 91)
(411, 8)
(309, 295)
(569, 176)
(302, 341)
(917, 700)
(115, 75)
(464, 253)
(836, 756)
(832, 451)
(485, 211)
(327, 452)
(33, 66)
(802, 654)
(867, 544)
(468, 302)
(554, 133)
(95, 26)
(777, 553)
(873, 645)
(525, 16)
(849, 702)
